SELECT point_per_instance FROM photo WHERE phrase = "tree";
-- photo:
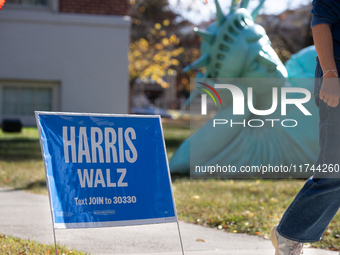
(158, 45)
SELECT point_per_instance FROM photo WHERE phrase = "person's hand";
(330, 89)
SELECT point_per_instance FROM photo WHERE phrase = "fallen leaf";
(273, 199)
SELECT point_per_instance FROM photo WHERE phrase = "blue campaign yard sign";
(105, 170)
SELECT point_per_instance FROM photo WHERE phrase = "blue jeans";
(313, 208)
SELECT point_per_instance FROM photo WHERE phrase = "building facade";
(61, 55)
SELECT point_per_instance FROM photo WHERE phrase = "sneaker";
(284, 246)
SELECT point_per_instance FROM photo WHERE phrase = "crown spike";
(219, 14)
(257, 9)
(245, 4)
(234, 5)
(202, 61)
(205, 35)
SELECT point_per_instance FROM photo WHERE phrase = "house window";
(28, 2)
(19, 99)
(24, 101)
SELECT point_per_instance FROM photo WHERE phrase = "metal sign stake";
(180, 237)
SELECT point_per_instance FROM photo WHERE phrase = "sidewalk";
(27, 216)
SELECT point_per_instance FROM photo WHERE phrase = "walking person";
(308, 216)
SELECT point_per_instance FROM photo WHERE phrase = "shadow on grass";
(36, 185)
(19, 149)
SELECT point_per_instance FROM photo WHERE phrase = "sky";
(200, 11)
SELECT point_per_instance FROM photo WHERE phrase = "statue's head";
(235, 47)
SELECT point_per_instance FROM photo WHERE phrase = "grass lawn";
(21, 165)
(240, 206)
(243, 206)
(11, 245)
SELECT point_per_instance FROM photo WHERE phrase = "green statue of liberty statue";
(236, 49)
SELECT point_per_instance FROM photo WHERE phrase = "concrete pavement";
(27, 216)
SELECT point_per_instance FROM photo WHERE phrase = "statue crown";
(221, 36)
